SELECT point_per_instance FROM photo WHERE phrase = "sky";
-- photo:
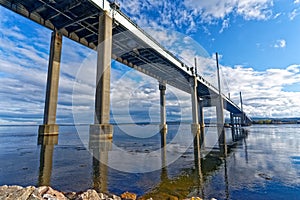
(257, 41)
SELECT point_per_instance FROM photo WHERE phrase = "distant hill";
(293, 120)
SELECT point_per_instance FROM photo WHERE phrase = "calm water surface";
(262, 163)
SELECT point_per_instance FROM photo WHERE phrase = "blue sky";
(258, 42)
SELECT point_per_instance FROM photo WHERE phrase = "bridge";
(100, 25)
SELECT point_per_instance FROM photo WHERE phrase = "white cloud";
(189, 15)
(225, 25)
(263, 92)
(280, 44)
(255, 9)
(277, 15)
(218, 9)
(296, 1)
(293, 14)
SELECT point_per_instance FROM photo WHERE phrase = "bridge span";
(100, 25)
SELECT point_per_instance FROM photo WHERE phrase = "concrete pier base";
(48, 129)
(196, 129)
(163, 128)
(101, 132)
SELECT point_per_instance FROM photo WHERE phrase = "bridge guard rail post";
(102, 127)
(49, 126)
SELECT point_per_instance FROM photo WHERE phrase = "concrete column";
(201, 114)
(194, 96)
(220, 126)
(231, 119)
(49, 126)
(201, 122)
(163, 118)
(195, 125)
(102, 100)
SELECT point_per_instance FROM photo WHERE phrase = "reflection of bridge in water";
(190, 182)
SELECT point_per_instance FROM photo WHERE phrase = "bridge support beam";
(163, 118)
(101, 124)
(195, 115)
(201, 122)
(220, 126)
(49, 126)
(201, 113)
(195, 125)
(231, 119)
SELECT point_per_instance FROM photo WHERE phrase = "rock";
(42, 190)
(49, 197)
(15, 192)
(52, 194)
(70, 195)
(114, 197)
(102, 196)
(3, 190)
(35, 197)
(128, 196)
(89, 195)
(47, 193)
(265, 176)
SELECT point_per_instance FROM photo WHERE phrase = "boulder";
(128, 196)
(89, 195)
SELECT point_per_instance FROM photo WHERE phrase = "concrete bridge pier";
(220, 126)
(240, 120)
(201, 122)
(49, 126)
(195, 127)
(163, 118)
(194, 96)
(231, 119)
(102, 124)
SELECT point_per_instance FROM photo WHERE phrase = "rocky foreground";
(47, 193)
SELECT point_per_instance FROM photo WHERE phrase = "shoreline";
(47, 193)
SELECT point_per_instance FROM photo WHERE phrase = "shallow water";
(265, 164)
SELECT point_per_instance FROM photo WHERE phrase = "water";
(263, 164)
